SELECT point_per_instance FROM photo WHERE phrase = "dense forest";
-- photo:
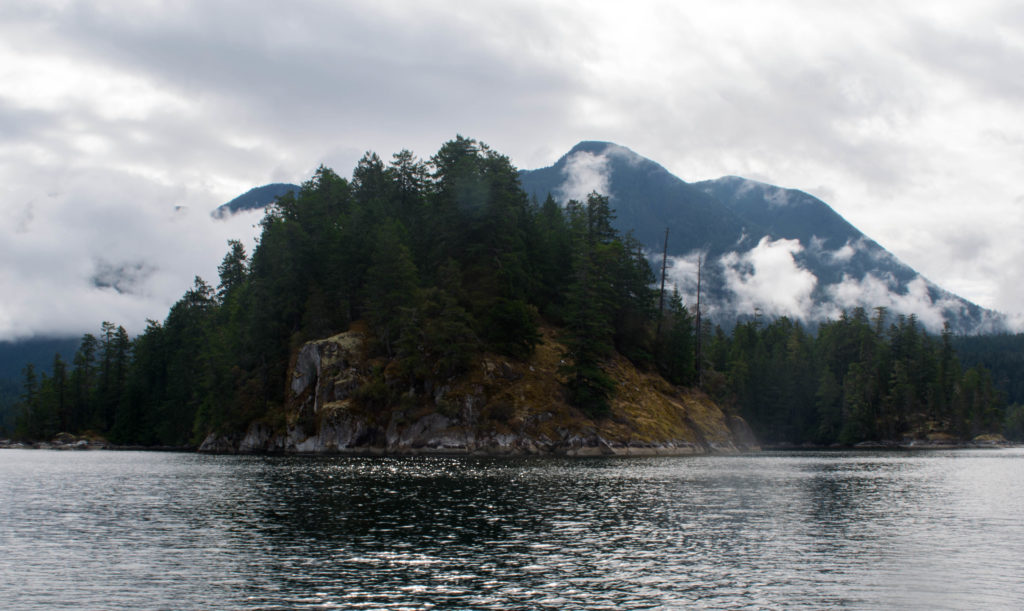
(859, 378)
(445, 259)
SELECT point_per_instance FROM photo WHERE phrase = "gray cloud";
(126, 277)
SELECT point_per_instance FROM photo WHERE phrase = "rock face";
(341, 401)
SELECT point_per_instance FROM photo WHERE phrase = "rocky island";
(500, 407)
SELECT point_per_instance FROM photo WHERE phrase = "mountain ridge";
(254, 199)
(770, 250)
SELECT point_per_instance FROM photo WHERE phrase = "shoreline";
(567, 451)
(892, 446)
(383, 452)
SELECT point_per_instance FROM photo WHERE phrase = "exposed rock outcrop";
(499, 407)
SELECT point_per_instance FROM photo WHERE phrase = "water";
(928, 530)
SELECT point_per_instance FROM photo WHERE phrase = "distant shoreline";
(370, 452)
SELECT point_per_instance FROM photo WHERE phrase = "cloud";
(681, 273)
(871, 291)
(585, 173)
(768, 279)
(104, 246)
(844, 254)
(623, 154)
(777, 198)
(125, 277)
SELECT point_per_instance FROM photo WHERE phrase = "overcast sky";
(123, 123)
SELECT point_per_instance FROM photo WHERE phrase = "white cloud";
(768, 279)
(623, 153)
(681, 273)
(843, 254)
(108, 247)
(585, 173)
(871, 291)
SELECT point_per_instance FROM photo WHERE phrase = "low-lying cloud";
(915, 299)
(98, 253)
(585, 173)
(768, 279)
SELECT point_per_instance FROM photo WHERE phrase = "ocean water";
(813, 530)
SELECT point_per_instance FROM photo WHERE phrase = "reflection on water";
(802, 530)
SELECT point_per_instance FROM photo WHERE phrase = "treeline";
(857, 379)
(84, 395)
(1002, 354)
(444, 259)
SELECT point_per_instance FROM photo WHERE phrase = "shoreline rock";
(500, 407)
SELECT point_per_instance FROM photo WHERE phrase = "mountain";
(646, 197)
(254, 199)
(13, 358)
(38, 351)
(766, 249)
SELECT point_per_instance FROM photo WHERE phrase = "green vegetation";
(442, 261)
(857, 380)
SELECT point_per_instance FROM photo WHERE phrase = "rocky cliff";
(342, 401)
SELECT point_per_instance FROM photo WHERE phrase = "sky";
(123, 123)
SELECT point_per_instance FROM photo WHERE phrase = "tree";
(82, 383)
(145, 388)
(28, 424)
(590, 306)
(114, 356)
(677, 344)
(59, 383)
(391, 284)
(232, 270)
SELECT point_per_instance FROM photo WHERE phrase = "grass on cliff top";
(529, 396)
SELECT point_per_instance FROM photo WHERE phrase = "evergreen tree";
(676, 352)
(232, 270)
(391, 283)
(29, 425)
(590, 306)
(82, 382)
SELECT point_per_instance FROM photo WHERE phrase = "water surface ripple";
(928, 530)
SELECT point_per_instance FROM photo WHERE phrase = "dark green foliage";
(1002, 354)
(391, 283)
(676, 344)
(437, 340)
(32, 419)
(858, 380)
(603, 292)
(1013, 426)
(510, 327)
